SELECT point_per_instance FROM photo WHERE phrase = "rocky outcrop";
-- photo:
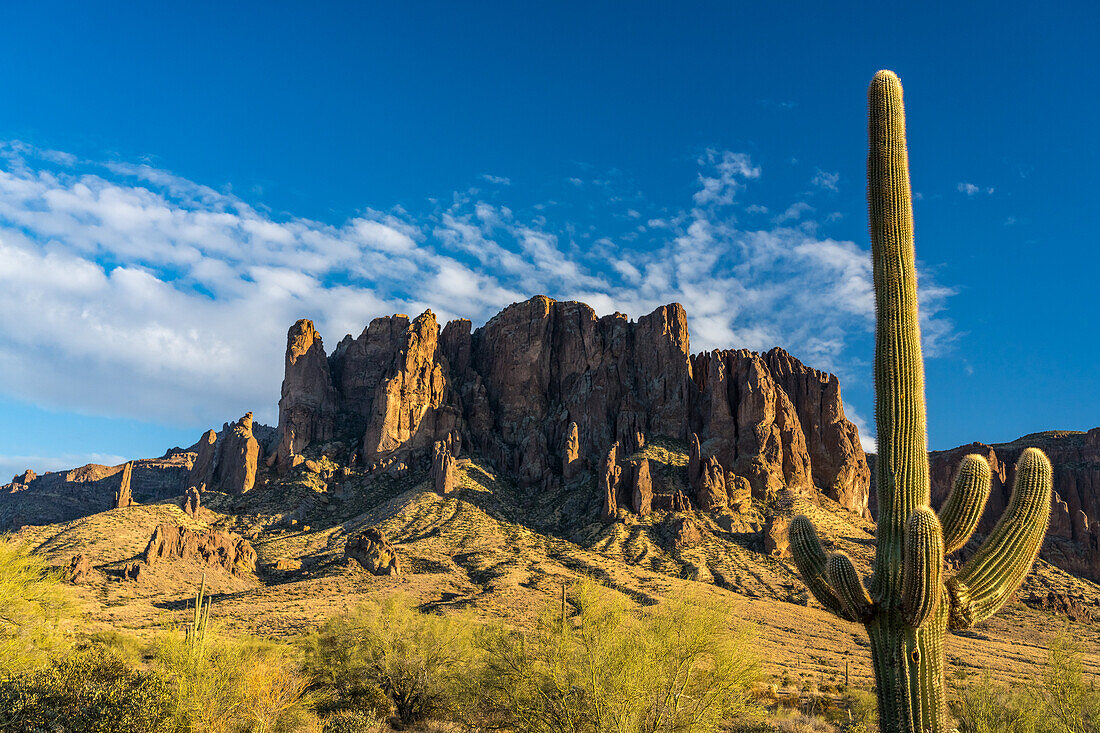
(443, 468)
(238, 458)
(191, 501)
(371, 549)
(124, 497)
(776, 542)
(307, 408)
(609, 478)
(25, 478)
(544, 384)
(711, 492)
(202, 470)
(79, 570)
(571, 465)
(227, 550)
(641, 487)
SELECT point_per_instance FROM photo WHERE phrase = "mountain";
(482, 469)
(543, 378)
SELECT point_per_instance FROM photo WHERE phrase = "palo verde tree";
(912, 600)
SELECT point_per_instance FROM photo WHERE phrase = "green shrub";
(89, 691)
(672, 668)
(353, 721)
(234, 685)
(1063, 700)
(386, 656)
(35, 609)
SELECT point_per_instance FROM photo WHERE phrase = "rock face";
(124, 497)
(202, 470)
(1073, 539)
(307, 408)
(172, 542)
(545, 384)
(238, 457)
(371, 549)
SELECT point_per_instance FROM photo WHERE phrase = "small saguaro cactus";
(911, 599)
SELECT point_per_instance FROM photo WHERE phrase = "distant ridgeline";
(546, 390)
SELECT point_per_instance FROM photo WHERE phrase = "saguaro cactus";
(912, 600)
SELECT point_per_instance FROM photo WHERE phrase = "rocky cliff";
(225, 461)
(545, 389)
(1073, 541)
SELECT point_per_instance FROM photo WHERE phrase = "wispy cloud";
(133, 292)
(970, 189)
(825, 180)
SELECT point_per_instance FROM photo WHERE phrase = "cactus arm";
(809, 557)
(964, 506)
(923, 566)
(846, 582)
(1009, 551)
(902, 466)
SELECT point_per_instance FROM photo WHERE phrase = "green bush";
(234, 685)
(1062, 701)
(387, 656)
(89, 691)
(352, 721)
(34, 620)
(676, 667)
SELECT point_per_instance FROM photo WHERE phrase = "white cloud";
(825, 180)
(498, 180)
(132, 292)
(726, 173)
(971, 189)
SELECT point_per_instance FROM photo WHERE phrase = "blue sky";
(179, 185)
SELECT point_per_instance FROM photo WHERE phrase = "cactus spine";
(912, 600)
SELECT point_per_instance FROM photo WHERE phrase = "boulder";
(371, 549)
(80, 568)
(776, 542)
(739, 492)
(683, 532)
